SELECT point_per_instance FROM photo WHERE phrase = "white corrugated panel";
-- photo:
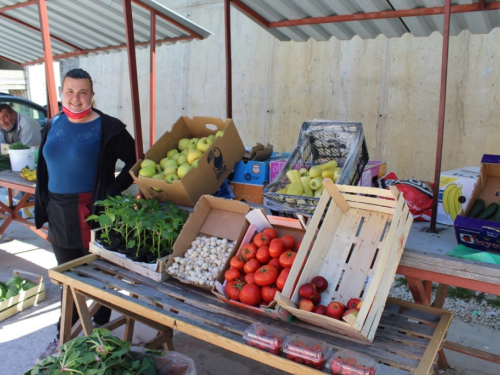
(281, 10)
(86, 25)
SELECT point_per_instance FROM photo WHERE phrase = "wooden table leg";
(66, 315)
(441, 293)
(164, 338)
(418, 291)
(83, 312)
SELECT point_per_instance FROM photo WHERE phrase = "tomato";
(298, 245)
(268, 293)
(250, 294)
(232, 274)
(248, 278)
(276, 248)
(281, 280)
(248, 251)
(286, 259)
(237, 262)
(261, 239)
(251, 266)
(262, 255)
(232, 289)
(271, 232)
(265, 275)
(289, 242)
(276, 263)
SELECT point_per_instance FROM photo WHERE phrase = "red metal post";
(152, 80)
(229, 73)
(442, 108)
(52, 105)
(134, 85)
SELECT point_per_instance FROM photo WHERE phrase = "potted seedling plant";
(106, 219)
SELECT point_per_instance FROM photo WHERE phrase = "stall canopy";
(36, 31)
(301, 20)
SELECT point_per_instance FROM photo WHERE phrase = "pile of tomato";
(260, 268)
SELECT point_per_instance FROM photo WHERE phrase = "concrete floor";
(24, 336)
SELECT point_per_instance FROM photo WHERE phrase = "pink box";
(276, 166)
(372, 169)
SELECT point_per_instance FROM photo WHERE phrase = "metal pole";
(442, 107)
(152, 80)
(52, 105)
(134, 86)
(229, 73)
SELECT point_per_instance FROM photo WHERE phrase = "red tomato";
(251, 266)
(250, 294)
(286, 259)
(298, 245)
(248, 278)
(271, 232)
(232, 274)
(248, 251)
(276, 263)
(289, 242)
(263, 255)
(237, 262)
(261, 239)
(232, 289)
(276, 248)
(268, 293)
(281, 280)
(265, 275)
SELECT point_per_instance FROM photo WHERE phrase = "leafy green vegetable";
(27, 285)
(18, 146)
(97, 354)
(12, 291)
(4, 162)
(14, 280)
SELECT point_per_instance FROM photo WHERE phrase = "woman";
(76, 167)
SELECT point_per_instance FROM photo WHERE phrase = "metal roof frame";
(74, 34)
(287, 27)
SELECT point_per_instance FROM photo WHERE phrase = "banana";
(28, 174)
(450, 200)
(446, 194)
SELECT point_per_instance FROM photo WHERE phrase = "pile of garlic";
(203, 261)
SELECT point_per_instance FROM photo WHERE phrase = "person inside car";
(15, 127)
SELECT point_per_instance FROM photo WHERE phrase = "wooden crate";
(25, 298)
(159, 272)
(358, 248)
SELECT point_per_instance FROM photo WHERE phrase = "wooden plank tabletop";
(10, 179)
(407, 341)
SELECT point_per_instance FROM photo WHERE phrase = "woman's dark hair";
(79, 74)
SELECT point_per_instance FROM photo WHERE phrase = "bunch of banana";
(451, 204)
(28, 174)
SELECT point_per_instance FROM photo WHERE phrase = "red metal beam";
(166, 18)
(38, 30)
(20, 5)
(134, 85)
(52, 105)
(250, 13)
(229, 70)
(152, 81)
(442, 110)
(87, 51)
(9, 60)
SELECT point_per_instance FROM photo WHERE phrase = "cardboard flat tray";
(24, 299)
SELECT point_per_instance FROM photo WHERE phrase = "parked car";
(25, 107)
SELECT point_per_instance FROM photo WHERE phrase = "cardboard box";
(455, 189)
(248, 193)
(284, 226)
(475, 233)
(212, 216)
(251, 172)
(213, 167)
(373, 171)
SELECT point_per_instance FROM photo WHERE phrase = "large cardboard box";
(455, 189)
(212, 216)
(476, 233)
(213, 167)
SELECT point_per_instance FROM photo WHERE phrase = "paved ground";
(25, 335)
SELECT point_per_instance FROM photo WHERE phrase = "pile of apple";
(178, 161)
(310, 299)
(261, 268)
(309, 183)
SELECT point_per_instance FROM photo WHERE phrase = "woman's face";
(76, 94)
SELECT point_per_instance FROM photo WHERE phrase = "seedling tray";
(358, 248)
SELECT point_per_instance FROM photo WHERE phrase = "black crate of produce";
(319, 142)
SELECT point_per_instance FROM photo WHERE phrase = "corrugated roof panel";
(88, 26)
(281, 10)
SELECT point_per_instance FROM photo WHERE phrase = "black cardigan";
(116, 143)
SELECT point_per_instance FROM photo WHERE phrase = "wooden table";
(408, 338)
(13, 181)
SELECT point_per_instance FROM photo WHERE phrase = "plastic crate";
(320, 142)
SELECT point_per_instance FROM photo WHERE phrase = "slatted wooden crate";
(25, 298)
(357, 249)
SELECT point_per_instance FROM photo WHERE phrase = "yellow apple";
(149, 171)
(194, 141)
(182, 144)
(148, 163)
(183, 170)
(159, 176)
(195, 163)
(170, 170)
(172, 153)
(220, 133)
(171, 178)
(182, 159)
(211, 138)
(203, 144)
(166, 162)
(190, 148)
(194, 155)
